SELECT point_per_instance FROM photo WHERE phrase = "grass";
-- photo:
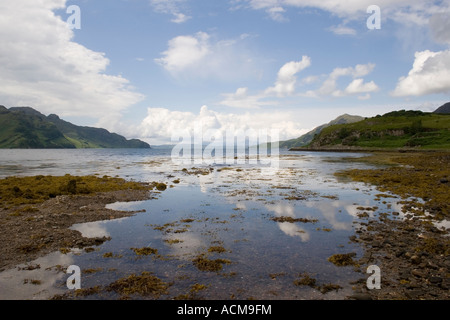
(414, 129)
(37, 189)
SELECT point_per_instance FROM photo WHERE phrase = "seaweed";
(204, 264)
(145, 284)
(292, 220)
(342, 260)
(16, 191)
(146, 251)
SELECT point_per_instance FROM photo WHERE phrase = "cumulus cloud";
(203, 56)
(161, 123)
(430, 74)
(41, 66)
(285, 84)
(357, 86)
(185, 52)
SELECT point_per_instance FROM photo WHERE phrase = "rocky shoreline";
(36, 212)
(47, 229)
(412, 247)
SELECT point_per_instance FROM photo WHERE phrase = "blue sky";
(144, 68)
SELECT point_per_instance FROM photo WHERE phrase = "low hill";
(308, 137)
(27, 128)
(398, 129)
(443, 109)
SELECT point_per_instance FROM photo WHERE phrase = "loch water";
(231, 206)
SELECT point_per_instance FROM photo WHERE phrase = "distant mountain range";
(27, 128)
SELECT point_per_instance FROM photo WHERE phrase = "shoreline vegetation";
(411, 248)
(36, 212)
(364, 150)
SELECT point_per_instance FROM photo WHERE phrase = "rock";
(361, 296)
(418, 273)
(415, 259)
(376, 244)
(443, 180)
(399, 253)
(414, 293)
(435, 280)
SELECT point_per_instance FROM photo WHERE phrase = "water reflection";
(290, 229)
(92, 229)
(39, 279)
(230, 207)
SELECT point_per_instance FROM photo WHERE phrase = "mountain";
(443, 109)
(308, 137)
(27, 128)
(397, 129)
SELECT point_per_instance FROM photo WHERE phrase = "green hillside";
(26, 128)
(308, 137)
(88, 137)
(21, 130)
(398, 129)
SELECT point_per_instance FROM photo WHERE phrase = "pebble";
(435, 280)
(418, 273)
(361, 296)
(415, 259)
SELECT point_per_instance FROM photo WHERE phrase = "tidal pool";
(219, 232)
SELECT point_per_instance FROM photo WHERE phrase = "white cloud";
(357, 86)
(185, 52)
(276, 13)
(403, 11)
(285, 84)
(171, 7)
(440, 27)
(241, 99)
(161, 123)
(430, 74)
(41, 66)
(203, 56)
(342, 30)
(180, 18)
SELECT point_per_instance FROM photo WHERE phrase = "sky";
(146, 68)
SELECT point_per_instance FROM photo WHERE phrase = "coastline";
(412, 247)
(37, 220)
(366, 150)
(412, 253)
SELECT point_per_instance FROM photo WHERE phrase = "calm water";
(233, 207)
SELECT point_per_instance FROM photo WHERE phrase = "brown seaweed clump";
(204, 264)
(32, 190)
(146, 251)
(342, 260)
(146, 285)
(293, 220)
(306, 280)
